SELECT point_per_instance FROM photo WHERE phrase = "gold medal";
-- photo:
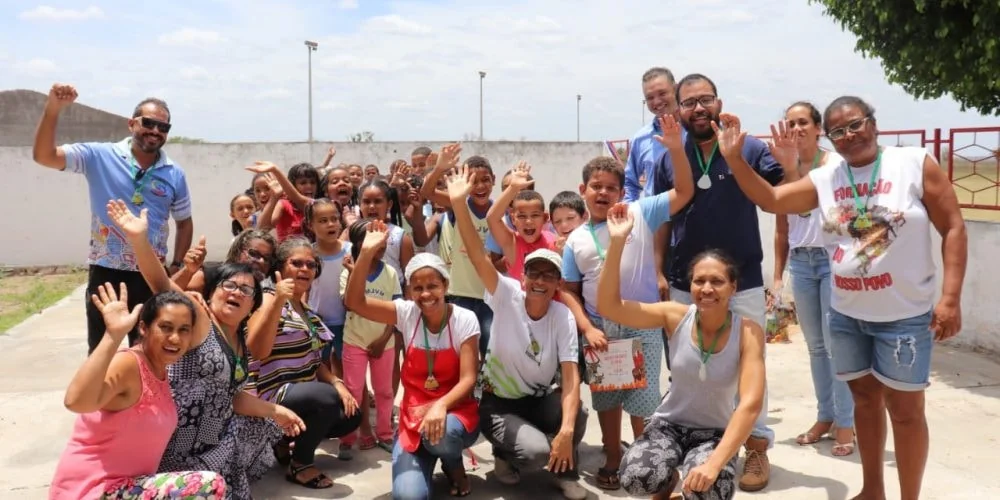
(805, 215)
(431, 383)
(316, 344)
(137, 198)
(862, 222)
(240, 372)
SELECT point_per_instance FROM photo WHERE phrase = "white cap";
(543, 254)
(422, 260)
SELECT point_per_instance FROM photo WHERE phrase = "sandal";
(607, 479)
(459, 483)
(844, 449)
(367, 443)
(385, 444)
(812, 436)
(320, 482)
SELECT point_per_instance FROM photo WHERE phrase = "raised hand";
(274, 186)
(195, 257)
(376, 236)
(332, 152)
(784, 145)
(459, 184)
(350, 216)
(132, 226)
(432, 160)
(118, 321)
(284, 289)
(60, 96)
(620, 222)
(731, 137)
(671, 138)
(448, 158)
(262, 167)
(520, 175)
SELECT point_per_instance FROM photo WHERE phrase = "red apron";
(417, 399)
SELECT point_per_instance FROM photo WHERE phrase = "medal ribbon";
(863, 207)
(431, 355)
(701, 162)
(701, 341)
(600, 249)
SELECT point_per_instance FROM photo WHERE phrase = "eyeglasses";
(705, 101)
(232, 286)
(308, 264)
(259, 257)
(149, 123)
(536, 275)
(853, 127)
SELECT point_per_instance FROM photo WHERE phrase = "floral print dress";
(209, 435)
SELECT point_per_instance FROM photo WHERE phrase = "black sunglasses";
(308, 264)
(149, 123)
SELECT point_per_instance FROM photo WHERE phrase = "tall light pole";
(643, 119)
(482, 76)
(578, 97)
(311, 47)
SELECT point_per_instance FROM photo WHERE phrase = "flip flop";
(812, 437)
(457, 488)
(315, 483)
(843, 449)
(608, 479)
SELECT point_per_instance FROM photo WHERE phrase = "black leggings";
(138, 293)
(318, 404)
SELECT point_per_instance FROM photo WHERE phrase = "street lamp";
(578, 97)
(311, 47)
(643, 119)
(482, 75)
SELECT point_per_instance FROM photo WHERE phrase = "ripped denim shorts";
(897, 353)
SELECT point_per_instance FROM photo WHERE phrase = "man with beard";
(720, 216)
(134, 170)
(644, 149)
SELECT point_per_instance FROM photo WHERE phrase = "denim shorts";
(897, 353)
(337, 345)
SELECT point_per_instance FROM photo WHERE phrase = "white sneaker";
(572, 489)
(505, 472)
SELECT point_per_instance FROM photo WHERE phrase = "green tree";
(930, 47)
(363, 136)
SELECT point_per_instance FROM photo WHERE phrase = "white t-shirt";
(806, 230)
(523, 355)
(463, 324)
(884, 272)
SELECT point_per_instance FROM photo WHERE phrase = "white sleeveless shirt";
(805, 230)
(884, 272)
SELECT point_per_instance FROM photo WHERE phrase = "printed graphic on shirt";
(871, 236)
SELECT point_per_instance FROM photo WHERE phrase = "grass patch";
(25, 294)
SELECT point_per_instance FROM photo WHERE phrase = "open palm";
(460, 184)
(620, 221)
(784, 145)
(376, 236)
(671, 130)
(118, 320)
(131, 225)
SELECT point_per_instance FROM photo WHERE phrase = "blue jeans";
(411, 472)
(897, 353)
(483, 312)
(751, 305)
(810, 272)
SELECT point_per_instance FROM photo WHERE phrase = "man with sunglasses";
(720, 216)
(134, 170)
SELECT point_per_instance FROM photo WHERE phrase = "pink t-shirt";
(523, 248)
(290, 223)
(109, 446)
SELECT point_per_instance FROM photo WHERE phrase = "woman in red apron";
(438, 416)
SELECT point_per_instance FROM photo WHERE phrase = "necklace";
(706, 354)
(863, 220)
(431, 383)
(705, 182)
(600, 249)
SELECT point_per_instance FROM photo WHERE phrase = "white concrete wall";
(48, 212)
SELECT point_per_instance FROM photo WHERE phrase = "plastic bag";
(780, 316)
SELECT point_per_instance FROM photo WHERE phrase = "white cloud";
(116, 91)
(538, 24)
(395, 25)
(348, 4)
(278, 93)
(195, 73)
(331, 105)
(35, 67)
(191, 37)
(46, 13)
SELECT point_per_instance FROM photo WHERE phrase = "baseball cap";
(546, 255)
(422, 260)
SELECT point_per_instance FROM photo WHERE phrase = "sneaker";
(756, 467)
(571, 489)
(505, 472)
(345, 452)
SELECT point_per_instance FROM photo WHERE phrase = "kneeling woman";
(713, 354)
(438, 417)
(123, 398)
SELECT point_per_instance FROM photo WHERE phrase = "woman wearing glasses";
(286, 340)
(220, 426)
(877, 208)
(252, 246)
(798, 241)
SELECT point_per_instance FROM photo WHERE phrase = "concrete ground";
(963, 404)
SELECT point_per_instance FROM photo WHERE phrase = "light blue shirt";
(583, 255)
(644, 151)
(110, 172)
(491, 243)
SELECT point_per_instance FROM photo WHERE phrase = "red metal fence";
(971, 155)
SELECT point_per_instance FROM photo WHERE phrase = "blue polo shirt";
(720, 217)
(110, 171)
(643, 153)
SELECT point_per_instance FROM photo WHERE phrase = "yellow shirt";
(358, 331)
(465, 280)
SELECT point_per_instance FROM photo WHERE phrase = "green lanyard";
(427, 346)
(701, 341)
(863, 221)
(600, 249)
(138, 182)
(701, 162)
(317, 343)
